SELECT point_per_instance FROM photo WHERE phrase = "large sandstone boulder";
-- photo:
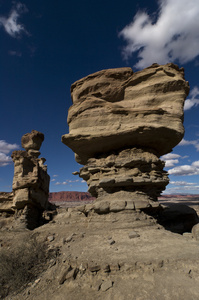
(32, 140)
(147, 111)
(120, 123)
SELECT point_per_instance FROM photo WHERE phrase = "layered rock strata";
(29, 197)
(6, 202)
(30, 181)
(120, 123)
(127, 179)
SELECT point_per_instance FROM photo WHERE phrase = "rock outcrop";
(120, 123)
(29, 197)
(6, 202)
(30, 181)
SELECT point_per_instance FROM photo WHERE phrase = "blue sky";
(47, 45)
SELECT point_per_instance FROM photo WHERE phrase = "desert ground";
(115, 256)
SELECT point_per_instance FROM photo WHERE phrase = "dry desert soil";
(115, 256)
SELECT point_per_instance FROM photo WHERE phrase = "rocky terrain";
(112, 256)
(124, 245)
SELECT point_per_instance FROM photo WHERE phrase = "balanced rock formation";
(120, 123)
(30, 181)
(31, 142)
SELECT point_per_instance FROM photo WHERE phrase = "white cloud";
(172, 36)
(57, 183)
(10, 23)
(171, 162)
(195, 143)
(171, 159)
(170, 156)
(196, 164)
(70, 181)
(4, 160)
(183, 183)
(194, 100)
(67, 181)
(192, 169)
(187, 189)
(53, 179)
(55, 175)
(182, 187)
(5, 148)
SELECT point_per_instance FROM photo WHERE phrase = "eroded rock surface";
(6, 202)
(120, 123)
(29, 197)
(32, 140)
(30, 181)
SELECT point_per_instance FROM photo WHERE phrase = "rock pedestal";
(120, 123)
(30, 181)
(127, 179)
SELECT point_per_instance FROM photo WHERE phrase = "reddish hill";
(70, 196)
(70, 199)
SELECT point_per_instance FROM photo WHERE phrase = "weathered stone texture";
(120, 123)
(148, 111)
(125, 177)
(30, 181)
(6, 200)
(32, 141)
(30, 188)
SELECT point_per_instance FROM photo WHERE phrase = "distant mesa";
(120, 123)
(62, 198)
